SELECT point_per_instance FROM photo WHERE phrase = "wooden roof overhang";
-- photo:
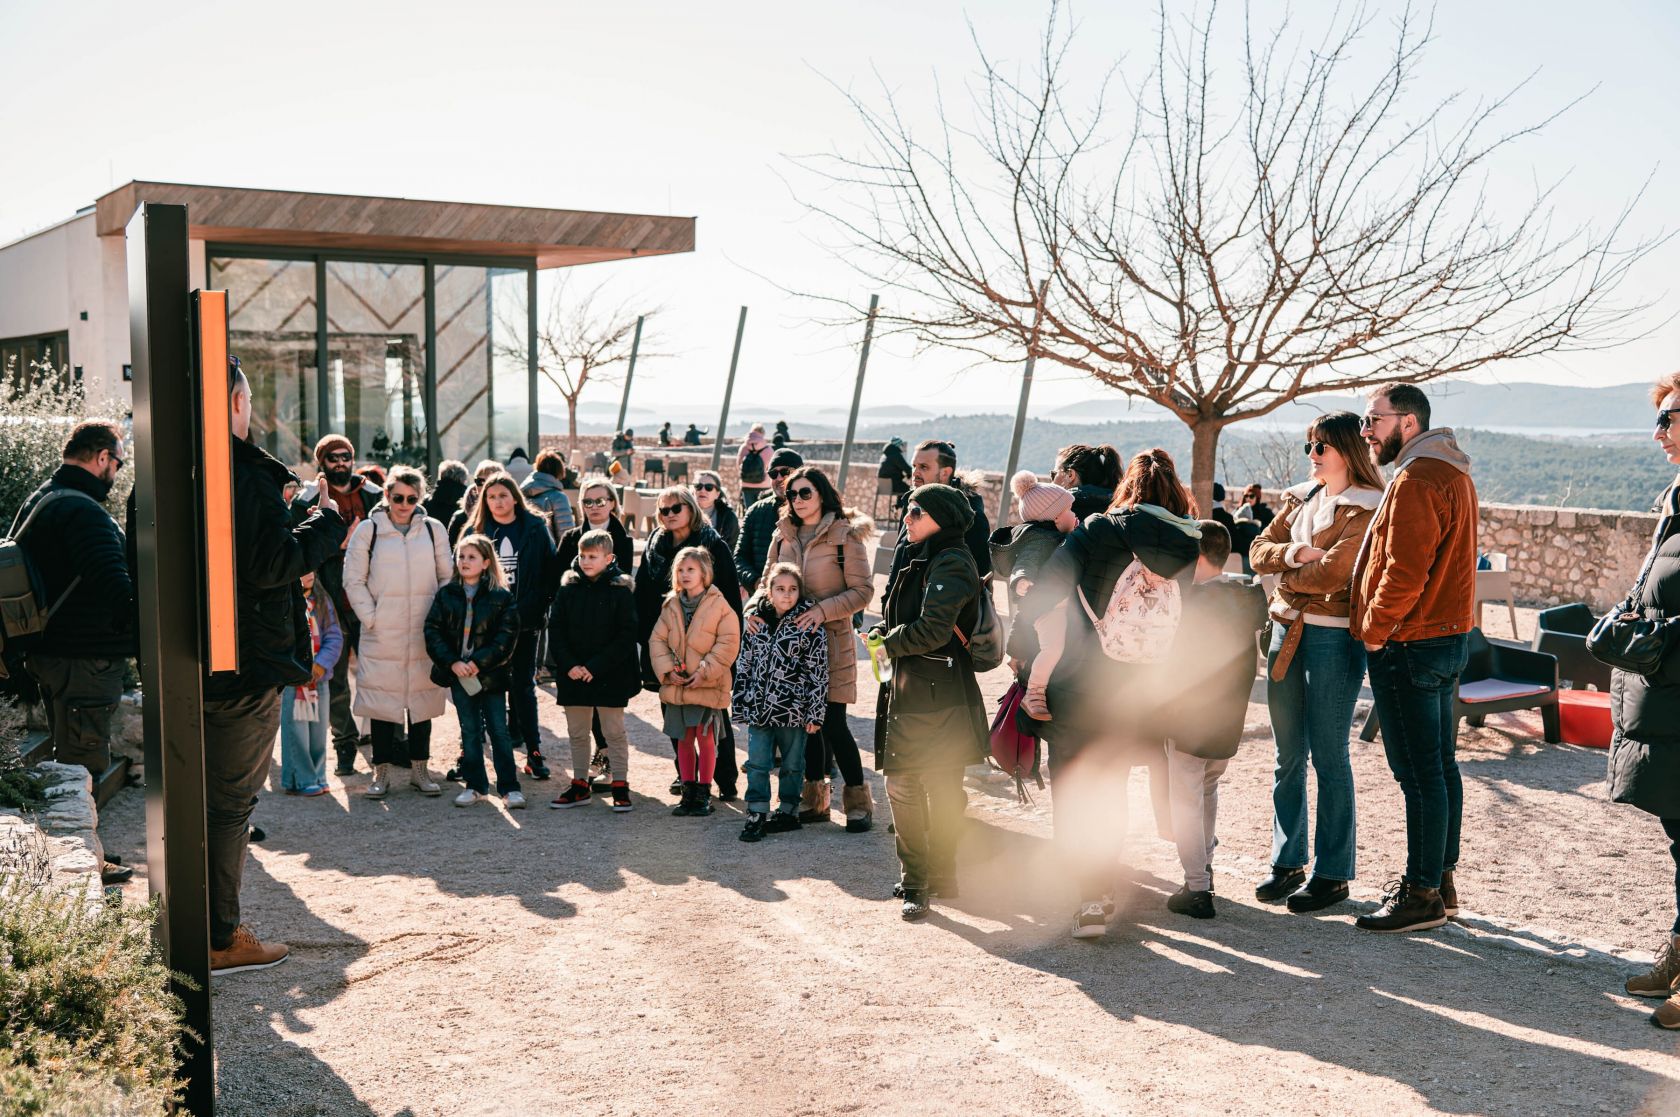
(555, 238)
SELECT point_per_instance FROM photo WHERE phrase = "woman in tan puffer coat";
(825, 540)
(393, 565)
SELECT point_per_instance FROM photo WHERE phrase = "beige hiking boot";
(1662, 979)
(423, 780)
(380, 785)
(1668, 1014)
(245, 952)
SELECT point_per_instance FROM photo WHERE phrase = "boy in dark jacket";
(592, 655)
(1210, 673)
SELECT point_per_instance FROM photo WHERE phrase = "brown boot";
(246, 953)
(1405, 907)
(859, 807)
(813, 802)
(1663, 978)
(1668, 1014)
(1449, 893)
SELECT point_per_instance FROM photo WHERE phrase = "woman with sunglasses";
(1315, 666)
(714, 502)
(683, 524)
(598, 506)
(394, 563)
(825, 540)
(1645, 710)
(526, 553)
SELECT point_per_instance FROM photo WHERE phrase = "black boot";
(685, 806)
(1280, 884)
(702, 804)
(1318, 894)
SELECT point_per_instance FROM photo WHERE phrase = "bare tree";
(1271, 457)
(581, 341)
(1278, 222)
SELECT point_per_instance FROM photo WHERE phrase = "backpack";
(1142, 616)
(986, 643)
(24, 611)
(752, 469)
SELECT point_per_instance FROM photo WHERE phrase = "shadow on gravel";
(1473, 1026)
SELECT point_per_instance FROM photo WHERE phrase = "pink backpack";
(1142, 616)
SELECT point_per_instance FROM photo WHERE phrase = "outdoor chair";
(653, 467)
(884, 552)
(1495, 585)
(636, 511)
(678, 471)
(598, 462)
(1499, 679)
(1562, 632)
(883, 492)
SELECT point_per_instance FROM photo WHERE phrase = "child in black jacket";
(1211, 673)
(592, 655)
(471, 631)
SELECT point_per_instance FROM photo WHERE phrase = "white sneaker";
(1091, 922)
(515, 800)
(467, 798)
(380, 784)
(420, 777)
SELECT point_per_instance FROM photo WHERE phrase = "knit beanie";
(784, 457)
(329, 443)
(1039, 501)
(948, 507)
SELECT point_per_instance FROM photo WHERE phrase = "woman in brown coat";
(1315, 666)
(826, 541)
(692, 648)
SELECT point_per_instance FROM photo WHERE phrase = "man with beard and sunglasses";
(338, 485)
(1413, 604)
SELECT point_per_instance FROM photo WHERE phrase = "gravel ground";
(487, 962)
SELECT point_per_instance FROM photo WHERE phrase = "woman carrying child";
(692, 647)
(593, 658)
(303, 709)
(781, 685)
(471, 631)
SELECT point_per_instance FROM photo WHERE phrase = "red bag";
(1013, 751)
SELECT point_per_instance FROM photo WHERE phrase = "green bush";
(38, 406)
(88, 1022)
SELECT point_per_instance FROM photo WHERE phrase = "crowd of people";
(367, 605)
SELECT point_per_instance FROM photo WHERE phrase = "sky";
(696, 110)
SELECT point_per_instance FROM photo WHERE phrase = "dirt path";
(481, 962)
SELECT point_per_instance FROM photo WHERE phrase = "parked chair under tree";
(1499, 679)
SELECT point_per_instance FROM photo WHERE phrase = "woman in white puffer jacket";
(393, 565)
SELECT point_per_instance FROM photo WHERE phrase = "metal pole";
(728, 390)
(630, 373)
(1021, 408)
(169, 594)
(857, 394)
(533, 421)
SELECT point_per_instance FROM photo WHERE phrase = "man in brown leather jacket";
(1413, 605)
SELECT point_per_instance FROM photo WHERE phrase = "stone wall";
(1563, 555)
(69, 824)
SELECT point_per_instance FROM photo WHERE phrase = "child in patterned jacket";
(781, 692)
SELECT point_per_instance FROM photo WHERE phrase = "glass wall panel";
(271, 329)
(376, 358)
(482, 361)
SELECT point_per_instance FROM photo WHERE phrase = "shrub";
(88, 1023)
(38, 406)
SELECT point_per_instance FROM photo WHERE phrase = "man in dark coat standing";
(81, 556)
(752, 549)
(242, 710)
(935, 463)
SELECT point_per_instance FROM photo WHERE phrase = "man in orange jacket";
(1413, 604)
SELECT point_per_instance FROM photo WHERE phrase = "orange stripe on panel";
(221, 604)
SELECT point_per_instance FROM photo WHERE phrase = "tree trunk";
(1204, 459)
(571, 424)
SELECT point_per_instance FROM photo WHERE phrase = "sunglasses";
(804, 492)
(670, 509)
(778, 474)
(1665, 417)
(341, 456)
(1312, 449)
(594, 501)
(397, 498)
(914, 512)
(1368, 422)
(705, 487)
(116, 459)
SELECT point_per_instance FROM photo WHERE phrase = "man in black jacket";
(758, 527)
(81, 556)
(242, 710)
(935, 463)
(338, 485)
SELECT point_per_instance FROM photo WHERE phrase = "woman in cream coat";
(393, 565)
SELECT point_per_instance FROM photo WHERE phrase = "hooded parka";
(593, 625)
(835, 567)
(390, 579)
(1645, 709)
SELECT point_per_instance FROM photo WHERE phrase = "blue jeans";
(481, 713)
(762, 743)
(1414, 684)
(1312, 717)
(521, 709)
(303, 744)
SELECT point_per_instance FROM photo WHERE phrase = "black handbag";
(1628, 639)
